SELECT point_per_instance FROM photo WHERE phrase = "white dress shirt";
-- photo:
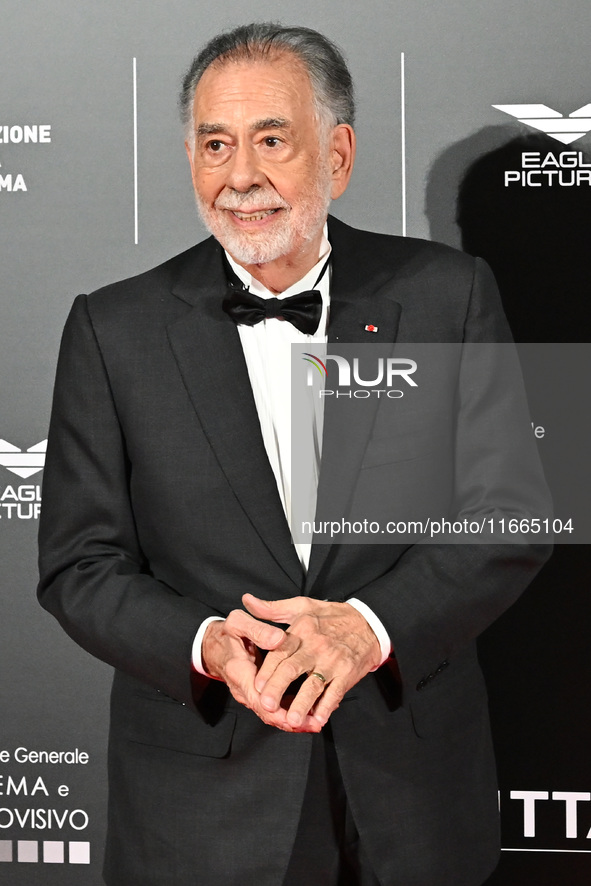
(267, 352)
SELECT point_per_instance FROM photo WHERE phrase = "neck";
(283, 272)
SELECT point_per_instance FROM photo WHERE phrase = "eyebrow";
(210, 129)
(221, 129)
(270, 123)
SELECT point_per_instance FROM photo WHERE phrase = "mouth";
(256, 215)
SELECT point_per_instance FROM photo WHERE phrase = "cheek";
(292, 187)
(302, 182)
(208, 183)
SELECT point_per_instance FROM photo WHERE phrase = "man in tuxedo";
(282, 714)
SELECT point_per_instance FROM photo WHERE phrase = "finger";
(309, 693)
(240, 679)
(285, 673)
(241, 625)
(283, 611)
(290, 644)
(279, 721)
(329, 702)
(239, 676)
(220, 645)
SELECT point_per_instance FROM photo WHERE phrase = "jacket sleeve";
(93, 576)
(439, 597)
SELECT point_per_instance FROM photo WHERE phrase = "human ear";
(342, 158)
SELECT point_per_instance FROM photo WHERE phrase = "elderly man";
(166, 538)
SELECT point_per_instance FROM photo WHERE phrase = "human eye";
(215, 150)
(275, 146)
(214, 146)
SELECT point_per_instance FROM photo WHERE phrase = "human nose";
(244, 170)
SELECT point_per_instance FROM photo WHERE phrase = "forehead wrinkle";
(235, 85)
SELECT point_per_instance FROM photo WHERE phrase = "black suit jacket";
(160, 509)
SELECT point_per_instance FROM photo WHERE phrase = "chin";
(253, 253)
(248, 249)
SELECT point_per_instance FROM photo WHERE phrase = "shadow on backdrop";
(535, 658)
(446, 175)
(536, 239)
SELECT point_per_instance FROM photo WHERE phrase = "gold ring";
(320, 676)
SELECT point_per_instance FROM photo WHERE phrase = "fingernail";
(320, 719)
(268, 703)
(259, 685)
(294, 718)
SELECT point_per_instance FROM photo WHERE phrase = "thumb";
(283, 611)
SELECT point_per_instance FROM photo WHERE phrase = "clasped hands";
(323, 640)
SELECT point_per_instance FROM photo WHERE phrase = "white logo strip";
(23, 464)
(545, 119)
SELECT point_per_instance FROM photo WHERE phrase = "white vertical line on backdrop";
(135, 195)
(403, 141)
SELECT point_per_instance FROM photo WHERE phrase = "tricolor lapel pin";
(371, 328)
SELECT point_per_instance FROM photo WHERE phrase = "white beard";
(299, 224)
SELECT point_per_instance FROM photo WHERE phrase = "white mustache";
(262, 199)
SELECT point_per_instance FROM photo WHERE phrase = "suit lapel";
(362, 294)
(207, 349)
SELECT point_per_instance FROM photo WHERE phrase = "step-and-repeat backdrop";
(474, 129)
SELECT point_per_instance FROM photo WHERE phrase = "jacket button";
(421, 685)
(442, 666)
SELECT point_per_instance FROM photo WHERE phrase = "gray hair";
(330, 78)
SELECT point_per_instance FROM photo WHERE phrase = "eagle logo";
(23, 464)
(564, 129)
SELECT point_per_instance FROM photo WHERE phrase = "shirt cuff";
(196, 650)
(376, 626)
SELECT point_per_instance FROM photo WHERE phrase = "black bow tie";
(302, 310)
